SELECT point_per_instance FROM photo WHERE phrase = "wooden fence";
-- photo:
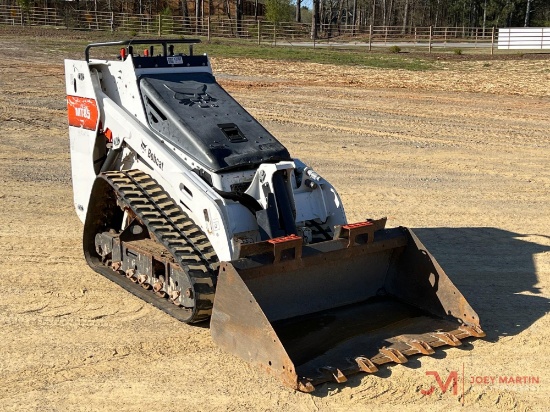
(247, 28)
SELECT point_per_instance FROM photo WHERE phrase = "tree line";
(402, 13)
(442, 13)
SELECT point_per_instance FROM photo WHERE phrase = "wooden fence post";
(370, 37)
(208, 27)
(493, 41)
(259, 31)
(314, 30)
(430, 40)
(160, 25)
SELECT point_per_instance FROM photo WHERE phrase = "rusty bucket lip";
(396, 349)
(389, 355)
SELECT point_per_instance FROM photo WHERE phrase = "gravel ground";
(459, 153)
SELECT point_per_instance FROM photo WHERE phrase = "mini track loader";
(193, 206)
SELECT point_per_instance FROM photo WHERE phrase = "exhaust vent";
(232, 132)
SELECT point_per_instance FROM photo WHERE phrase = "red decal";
(82, 112)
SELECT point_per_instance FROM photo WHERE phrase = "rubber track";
(173, 228)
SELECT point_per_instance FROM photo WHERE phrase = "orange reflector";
(108, 134)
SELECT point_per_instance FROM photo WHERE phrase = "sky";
(308, 3)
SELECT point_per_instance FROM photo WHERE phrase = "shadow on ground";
(491, 267)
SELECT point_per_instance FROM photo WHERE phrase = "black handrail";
(140, 41)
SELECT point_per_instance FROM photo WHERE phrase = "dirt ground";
(460, 154)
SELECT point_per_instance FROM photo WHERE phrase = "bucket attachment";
(319, 313)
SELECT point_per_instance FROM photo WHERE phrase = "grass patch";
(62, 44)
(358, 56)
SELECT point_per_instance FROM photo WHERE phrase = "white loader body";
(105, 103)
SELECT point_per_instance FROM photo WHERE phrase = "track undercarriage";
(139, 238)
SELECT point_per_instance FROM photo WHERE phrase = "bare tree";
(239, 15)
(528, 13)
(484, 15)
(184, 9)
(353, 12)
(405, 17)
(315, 18)
(340, 11)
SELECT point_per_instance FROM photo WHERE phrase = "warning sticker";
(175, 60)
